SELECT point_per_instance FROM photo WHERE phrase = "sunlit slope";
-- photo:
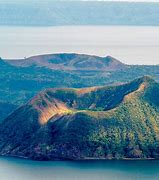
(22, 79)
(100, 122)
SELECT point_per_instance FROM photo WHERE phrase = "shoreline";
(79, 160)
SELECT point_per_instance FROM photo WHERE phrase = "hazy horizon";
(24, 33)
(139, 48)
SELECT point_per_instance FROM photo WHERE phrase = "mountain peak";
(145, 79)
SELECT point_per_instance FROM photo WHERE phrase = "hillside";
(49, 13)
(99, 122)
(22, 79)
(70, 62)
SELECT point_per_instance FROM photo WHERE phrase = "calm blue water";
(19, 169)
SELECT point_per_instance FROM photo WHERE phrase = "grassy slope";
(130, 129)
(20, 84)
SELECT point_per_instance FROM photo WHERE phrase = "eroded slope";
(101, 122)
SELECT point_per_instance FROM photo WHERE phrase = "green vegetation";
(19, 84)
(112, 122)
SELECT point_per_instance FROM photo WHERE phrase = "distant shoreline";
(59, 13)
(79, 25)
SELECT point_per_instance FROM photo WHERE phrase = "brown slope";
(70, 62)
(62, 123)
(57, 101)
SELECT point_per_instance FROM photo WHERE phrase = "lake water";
(130, 44)
(19, 169)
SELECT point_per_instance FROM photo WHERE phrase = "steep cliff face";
(99, 122)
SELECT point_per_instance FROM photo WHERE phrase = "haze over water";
(130, 44)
